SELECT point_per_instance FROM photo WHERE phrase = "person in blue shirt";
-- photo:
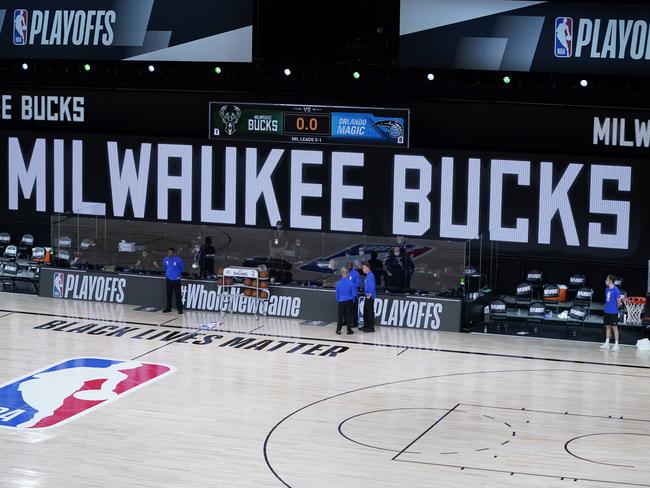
(610, 315)
(173, 266)
(345, 295)
(355, 278)
(370, 292)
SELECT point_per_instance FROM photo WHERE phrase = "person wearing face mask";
(610, 316)
(205, 258)
(394, 269)
(278, 242)
(299, 252)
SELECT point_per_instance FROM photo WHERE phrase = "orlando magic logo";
(395, 129)
(230, 115)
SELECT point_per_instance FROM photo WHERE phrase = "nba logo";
(20, 27)
(64, 391)
(57, 285)
(563, 37)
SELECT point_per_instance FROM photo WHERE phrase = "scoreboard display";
(310, 124)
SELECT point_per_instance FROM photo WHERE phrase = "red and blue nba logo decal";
(64, 391)
(57, 285)
(563, 37)
(20, 27)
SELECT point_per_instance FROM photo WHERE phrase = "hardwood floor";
(209, 400)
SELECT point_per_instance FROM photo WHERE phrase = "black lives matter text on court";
(201, 337)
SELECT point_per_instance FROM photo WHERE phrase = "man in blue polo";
(370, 292)
(173, 266)
(345, 295)
(610, 315)
(355, 278)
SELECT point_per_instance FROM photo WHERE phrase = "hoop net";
(634, 307)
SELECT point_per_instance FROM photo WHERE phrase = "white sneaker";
(616, 348)
(605, 346)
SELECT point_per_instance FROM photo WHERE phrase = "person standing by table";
(146, 262)
(173, 266)
(394, 268)
(409, 267)
(205, 258)
(345, 294)
(299, 252)
(355, 278)
(610, 316)
(377, 268)
(278, 243)
(370, 292)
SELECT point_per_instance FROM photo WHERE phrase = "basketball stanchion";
(634, 307)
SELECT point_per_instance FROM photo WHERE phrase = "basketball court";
(234, 401)
(464, 179)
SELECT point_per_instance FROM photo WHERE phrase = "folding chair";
(523, 295)
(25, 246)
(34, 265)
(577, 316)
(64, 242)
(5, 240)
(62, 258)
(10, 253)
(8, 276)
(536, 315)
(576, 281)
(498, 314)
(551, 296)
(86, 244)
(38, 256)
(535, 278)
(584, 298)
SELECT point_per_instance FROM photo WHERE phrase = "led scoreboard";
(310, 124)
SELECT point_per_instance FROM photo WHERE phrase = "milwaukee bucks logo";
(230, 115)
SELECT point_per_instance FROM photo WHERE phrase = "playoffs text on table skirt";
(420, 312)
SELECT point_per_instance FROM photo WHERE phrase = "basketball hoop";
(634, 307)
